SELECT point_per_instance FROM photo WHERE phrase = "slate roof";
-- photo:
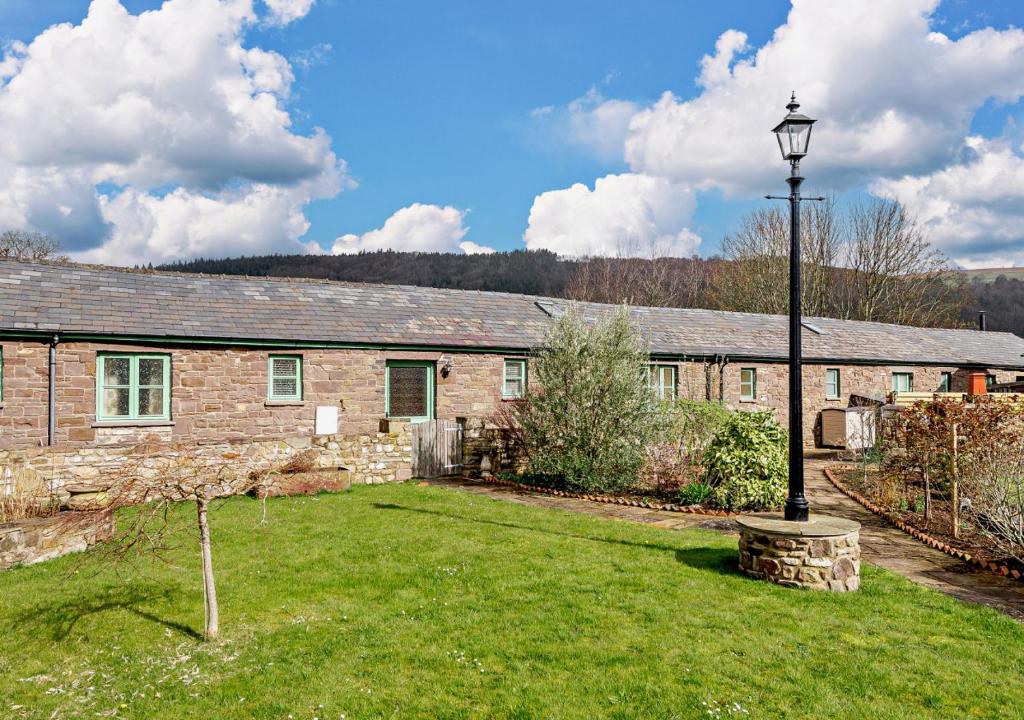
(94, 300)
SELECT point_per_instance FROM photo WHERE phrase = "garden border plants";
(989, 566)
(608, 499)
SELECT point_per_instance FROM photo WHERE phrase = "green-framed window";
(662, 381)
(409, 390)
(133, 386)
(513, 380)
(902, 382)
(748, 384)
(946, 382)
(284, 377)
(833, 384)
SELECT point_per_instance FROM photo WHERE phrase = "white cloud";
(715, 69)
(593, 122)
(471, 248)
(624, 215)
(895, 100)
(599, 123)
(310, 57)
(147, 228)
(126, 135)
(973, 209)
(893, 97)
(417, 228)
(283, 12)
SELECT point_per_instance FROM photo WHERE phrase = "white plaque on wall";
(326, 420)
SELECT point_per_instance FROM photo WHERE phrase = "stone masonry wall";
(30, 541)
(23, 409)
(773, 385)
(86, 477)
(220, 394)
(820, 563)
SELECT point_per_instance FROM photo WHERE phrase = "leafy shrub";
(993, 484)
(747, 462)
(686, 429)
(695, 493)
(696, 423)
(592, 416)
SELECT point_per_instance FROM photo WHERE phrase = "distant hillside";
(520, 271)
(991, 274)
(1002, 299)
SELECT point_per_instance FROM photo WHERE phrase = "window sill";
(510, 399)
(284, 403)
(131, 423)
(748, 400)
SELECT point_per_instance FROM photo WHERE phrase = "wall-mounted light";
(446, 367)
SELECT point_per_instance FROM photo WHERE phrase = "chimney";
(982, 325)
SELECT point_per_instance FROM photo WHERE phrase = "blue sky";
(467, 106)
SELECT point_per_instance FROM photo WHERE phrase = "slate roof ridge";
(834, 324)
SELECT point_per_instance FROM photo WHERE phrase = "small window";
(990, 380)
(133, 387)
(945, 382)
(832, 384)
(513, 384)
(748, 384)
(285, 377)
(662, 381)
(902, 382)
(409, 390)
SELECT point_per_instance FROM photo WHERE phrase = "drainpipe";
(51, 424)
(721, 378)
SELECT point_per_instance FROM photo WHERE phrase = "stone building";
(95, 357)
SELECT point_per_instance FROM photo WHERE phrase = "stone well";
(822, 553)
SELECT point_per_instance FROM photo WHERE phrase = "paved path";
(881, 544)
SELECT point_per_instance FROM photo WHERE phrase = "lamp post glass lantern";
(794, 136)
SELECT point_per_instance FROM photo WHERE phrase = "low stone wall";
(30, 541)
(84, 478)
(823, 554)
(483, 439)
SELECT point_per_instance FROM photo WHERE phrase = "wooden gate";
(436, 448)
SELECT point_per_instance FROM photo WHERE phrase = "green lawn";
(413, 602)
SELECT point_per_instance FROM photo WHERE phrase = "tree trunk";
(955, 487)
(927, 494)
(211, 613)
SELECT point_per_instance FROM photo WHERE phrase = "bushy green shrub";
(589, 414)
(695, 493)
(696, 423)
(747, 462)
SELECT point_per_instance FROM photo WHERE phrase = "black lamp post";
(794, 135)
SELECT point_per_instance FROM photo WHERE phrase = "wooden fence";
(436, 449)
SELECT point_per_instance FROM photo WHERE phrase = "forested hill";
(520, 271)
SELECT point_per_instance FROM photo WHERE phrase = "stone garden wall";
(86, 477)
(30, 541)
